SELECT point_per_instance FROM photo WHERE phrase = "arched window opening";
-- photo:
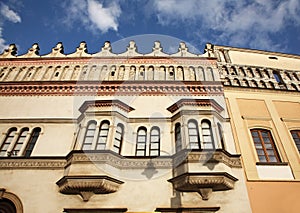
(32, 141)
(102, 137)
(141, 142)
(221, 135)
(277, 77)
(264, 145)
(201, 74)
(89, 135)
(117, 147)
(20, 142)
(210, 74)
(194, 140)
(208, 141)
(7, 206)
(155, 142)
(296, 137)
(178, 139)
(7, 141)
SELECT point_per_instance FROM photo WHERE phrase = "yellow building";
(129, 132)
(263, 99)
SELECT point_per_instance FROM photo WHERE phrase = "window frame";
(32, 141)
(197, 136)
(142, 143)
(152, 142)
(210, 135)
(118, 140)
(296, 140)
(101, 134)
(178, 137)
(8, 136)
(84, 143)
(263, 145)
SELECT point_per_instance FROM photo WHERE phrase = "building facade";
(263, 100)
(126, 132)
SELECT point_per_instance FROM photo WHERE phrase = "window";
(7, 206)
(221, 135)
(296, 137)
(89, 135)
(18, 145)
(7, 141)
(194, 141)
(178, 140)
(102, 137)
(264, 145)
(208, 141)
(277, 77)
(141, 142)
(31, 143)
(118, 138)
(155, 141)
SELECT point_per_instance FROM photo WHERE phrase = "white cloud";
(239, 22)
(6, 14)
(9, 14)
(93, 14)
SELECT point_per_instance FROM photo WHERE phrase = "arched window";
(102, 137)
(201, 74)
(155, 141)
(32, 141)
(7, 141)
(264, 145)
(20, 141)
(296, 137)
(7, 206)
(221, 135)
(208, 140)
(141, 142)
(277, 77)
(89, 136)
(194, 140)
(118, 138)
(178, 139)
(210, 74)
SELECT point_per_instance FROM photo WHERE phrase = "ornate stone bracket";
(87, 186)
(203, 183)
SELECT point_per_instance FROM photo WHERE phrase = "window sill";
(272, 163)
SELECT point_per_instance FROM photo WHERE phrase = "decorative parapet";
(87, 186)
(106, 51)
(203, 183)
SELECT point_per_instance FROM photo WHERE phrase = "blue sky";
(272, 25)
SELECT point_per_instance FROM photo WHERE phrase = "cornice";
(105, 103)
(195, 102)
(119, 88)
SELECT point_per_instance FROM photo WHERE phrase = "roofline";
(257, 51)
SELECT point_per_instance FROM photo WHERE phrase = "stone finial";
(57, 51)
(33, 51)
(157, 47)
(132, 46)
(209, 50)
(59, 48)
(10, 52)
(182, 48)
(80, 51)
(106, 47)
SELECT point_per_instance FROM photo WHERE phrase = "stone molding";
(203, 183)
(13, 198)
(86, 186)
(105, 103)
(110, 88)
(32, 163)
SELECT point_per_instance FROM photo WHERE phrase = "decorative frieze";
(32, 163)
(110, 88)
